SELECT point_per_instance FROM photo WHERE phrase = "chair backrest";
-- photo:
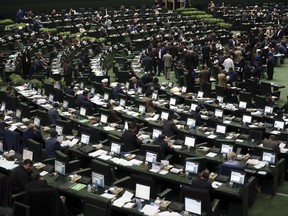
(25, 110)
(4, 191)
(58, 95)
(198, 194)
(225, 169)
(12, 141)
(260, 101)
(104, 169)
(144, 180)
(97, 205)
(94, 135)
(71, 100)
(67, 126)
(12, 102)
(36, 148)
(152, 148)
(42, 200)
(20, 209)
(44, 118)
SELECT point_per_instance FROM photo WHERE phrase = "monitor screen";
(172, 101)
(218, 113)
(18, 113)
(51, 98)
(115, 148)
(65, 104)
(268, 110)
(247, 119)
(151, 157)
(189, 141)
(82, 111)
(106, 96)
(59, 130)
(170, 84)
(142, 192)
(156, 133)
(200, 94)
(154, 96)
(220, 99)
(37, 122)
(3, 106)
(193, 106)
(279, 125)
(237, 177)
(193, 206)
(142, 109)
(191, 167)
(221, 129)
(122, 102)
(164, 115)
(27, 154)
(60, 167)
(269, 157)
(255, 135)
(191, 122)
(242, 104)
(226, 148)
(98, 179)
(92, 90)
(30, 86)
(85, 138)
(103, 118)
(183, 89)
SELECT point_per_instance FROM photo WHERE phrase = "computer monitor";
(164, 115)
(220, 99)
(59, 130)
(268, 110)
(27, 154)
(226, 148)
(156, 133)
(193, 106)
(191, 167)
(255, 135)
(106, 96)
(98, 179)
(170, 84)
(3, 107)
(218, 113)
(103, 118)
(151, 157)
(242, 105)
(172, 101)
(142, 192)
(191, 122)
(183, 89)
(237, 177)
(189, 141)
(83, 111)
(65, 104)
(279, 124)
(18, 113)
(139, 90)
(85, 139)
(122, 102)
(247, 119)
(115, 148)
(154, 96)
(193, 206)
(51, 98)
(60, 167)
(221, 129)
(142, 109)
(269, 157)
(37, 122)
(200, 94)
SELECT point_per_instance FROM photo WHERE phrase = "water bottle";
(157, 201)
(89, 188)
(139, 204)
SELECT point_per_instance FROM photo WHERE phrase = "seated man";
(20, 177)
(272, 143)
(202, 181)
(52, 145)
(169, 127)
(130, 140)
(32, 133)
(230, 164)
(82, 97)
(53, 114)
(36, 182)
(164, 145)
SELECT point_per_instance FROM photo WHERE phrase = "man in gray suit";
(272, 143)
(204, 76)
(168, 60)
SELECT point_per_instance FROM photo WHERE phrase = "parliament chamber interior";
(161, 108)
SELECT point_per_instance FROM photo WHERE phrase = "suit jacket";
(202, 184)
(169, 128)
(52, 145)
(268, 143)
(165, 149)
(167, 59)
(18, 179)
(222, 81)
(53, 115)
(130, 141)
(204, 76)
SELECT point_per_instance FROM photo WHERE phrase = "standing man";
(168, 60)
(67, 73)
(270, 65)
(20, 176)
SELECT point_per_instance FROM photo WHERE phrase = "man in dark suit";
(20, 176)
(135, 84)
(202, 181)
(32, 133)
(272, 143)
(52, 145)
(53, 114)
(164, 146)
(204, 77)
(169, 128)
(130, 140)
(67, 73)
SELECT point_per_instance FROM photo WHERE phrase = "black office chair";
(97, 205)
(208, 207)
(44, 118)
(225, 169)
(37, 149)
(71, 165)
(58, 95)
(41, 201)
(71, 101)
(26, 110)
(12, 141)
(67, 126)
(157, 149)
(94, 135)
(260, 101)
(12, 102)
